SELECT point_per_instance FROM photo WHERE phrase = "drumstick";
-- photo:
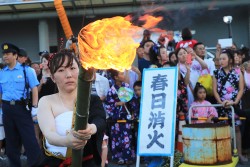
(217, 118)
(123, 121)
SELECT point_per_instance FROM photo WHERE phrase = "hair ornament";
(51, 56)
(155, 49)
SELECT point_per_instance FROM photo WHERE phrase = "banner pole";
(171, 161)
(137, 161)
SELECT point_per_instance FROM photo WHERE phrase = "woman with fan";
(120, 133)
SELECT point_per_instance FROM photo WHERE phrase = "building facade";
(34, 24)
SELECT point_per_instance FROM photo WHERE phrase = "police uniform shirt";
(12, 82)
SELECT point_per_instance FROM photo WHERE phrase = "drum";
(207, 144)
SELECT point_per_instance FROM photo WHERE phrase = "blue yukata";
(120, 133)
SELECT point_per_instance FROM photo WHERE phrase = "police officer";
(17, 120)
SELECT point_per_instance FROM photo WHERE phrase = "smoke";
(173, 19)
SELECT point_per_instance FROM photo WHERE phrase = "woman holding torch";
(55, 117)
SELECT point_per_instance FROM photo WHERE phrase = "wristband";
(34, 106)
(33, 111)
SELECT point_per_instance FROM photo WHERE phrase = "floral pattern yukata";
(228, 89)
(182, 103)
(203, 111)
(182, 99)
(120, 133)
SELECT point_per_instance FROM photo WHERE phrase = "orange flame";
(108, 43)
(151, 21)
(128, 17)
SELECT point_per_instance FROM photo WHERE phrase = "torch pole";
(82, 108)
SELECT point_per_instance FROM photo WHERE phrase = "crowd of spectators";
(230, 86)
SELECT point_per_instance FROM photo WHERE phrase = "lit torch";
(103, 44)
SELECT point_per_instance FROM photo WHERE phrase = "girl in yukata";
(237, 62)
(199, 99)
(184, 93)
(120, 133)
(228, 87)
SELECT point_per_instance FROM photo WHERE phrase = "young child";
(135, 101)
(135, 109)
(199, 99)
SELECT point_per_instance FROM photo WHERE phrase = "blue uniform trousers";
(19, 129)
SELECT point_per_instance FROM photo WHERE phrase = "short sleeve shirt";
(12, 82)
(211, 67)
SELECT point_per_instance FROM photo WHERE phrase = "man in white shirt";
(200, 50)
(100, 86)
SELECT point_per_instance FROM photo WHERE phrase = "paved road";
(115, 165)
(4, 163)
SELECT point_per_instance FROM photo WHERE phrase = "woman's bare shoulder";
(49, 99)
